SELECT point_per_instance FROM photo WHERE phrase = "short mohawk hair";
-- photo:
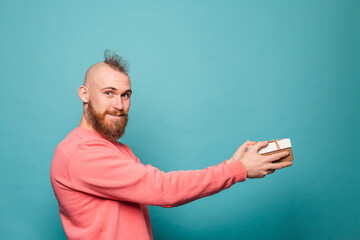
(116, 62)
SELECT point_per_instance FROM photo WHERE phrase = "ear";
(84, 94)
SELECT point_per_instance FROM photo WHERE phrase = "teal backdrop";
(206, 77)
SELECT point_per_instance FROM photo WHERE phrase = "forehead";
(109, 77)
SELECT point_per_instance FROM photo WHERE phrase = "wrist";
(238, 169)
(229, 161)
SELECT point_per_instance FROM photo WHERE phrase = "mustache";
(118, 113)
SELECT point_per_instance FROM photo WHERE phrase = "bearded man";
(103, 189)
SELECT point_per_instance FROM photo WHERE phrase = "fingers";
(247, 144)
(276, 156)
(275, 166)
(259, 145)
(242, 149)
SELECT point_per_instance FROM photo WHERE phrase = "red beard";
(112, 130)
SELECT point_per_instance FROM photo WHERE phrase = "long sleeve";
(105, 170)
(103, 189)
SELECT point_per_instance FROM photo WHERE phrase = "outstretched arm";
(97, 169)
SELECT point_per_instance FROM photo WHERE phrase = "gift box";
(277, 146)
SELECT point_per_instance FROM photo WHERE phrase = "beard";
(112, 129)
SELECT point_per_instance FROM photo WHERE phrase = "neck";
(84, 123)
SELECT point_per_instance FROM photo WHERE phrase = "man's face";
(109, 103)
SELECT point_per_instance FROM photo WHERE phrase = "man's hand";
(258, 166)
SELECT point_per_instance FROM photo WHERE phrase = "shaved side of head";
(93, 72)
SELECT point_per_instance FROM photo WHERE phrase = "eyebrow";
(112, 88)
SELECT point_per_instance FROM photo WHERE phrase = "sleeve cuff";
(238, 169)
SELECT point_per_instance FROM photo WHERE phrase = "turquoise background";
(206, 77)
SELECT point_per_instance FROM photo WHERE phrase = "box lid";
(275, 145)
(272, 146)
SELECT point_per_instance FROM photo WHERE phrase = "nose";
(118, 103)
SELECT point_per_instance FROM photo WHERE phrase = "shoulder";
(80, 139)
(127, 149)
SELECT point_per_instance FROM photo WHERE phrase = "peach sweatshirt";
(103, 190)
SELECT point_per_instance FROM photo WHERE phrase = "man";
(102, 188)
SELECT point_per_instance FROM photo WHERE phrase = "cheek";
(100, 108)
(103, 105)
(127, 106)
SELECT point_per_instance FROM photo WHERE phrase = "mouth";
(116, 116)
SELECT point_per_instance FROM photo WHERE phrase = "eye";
(125, 95)
(108, 93)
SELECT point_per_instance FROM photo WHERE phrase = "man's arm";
(97, 169)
